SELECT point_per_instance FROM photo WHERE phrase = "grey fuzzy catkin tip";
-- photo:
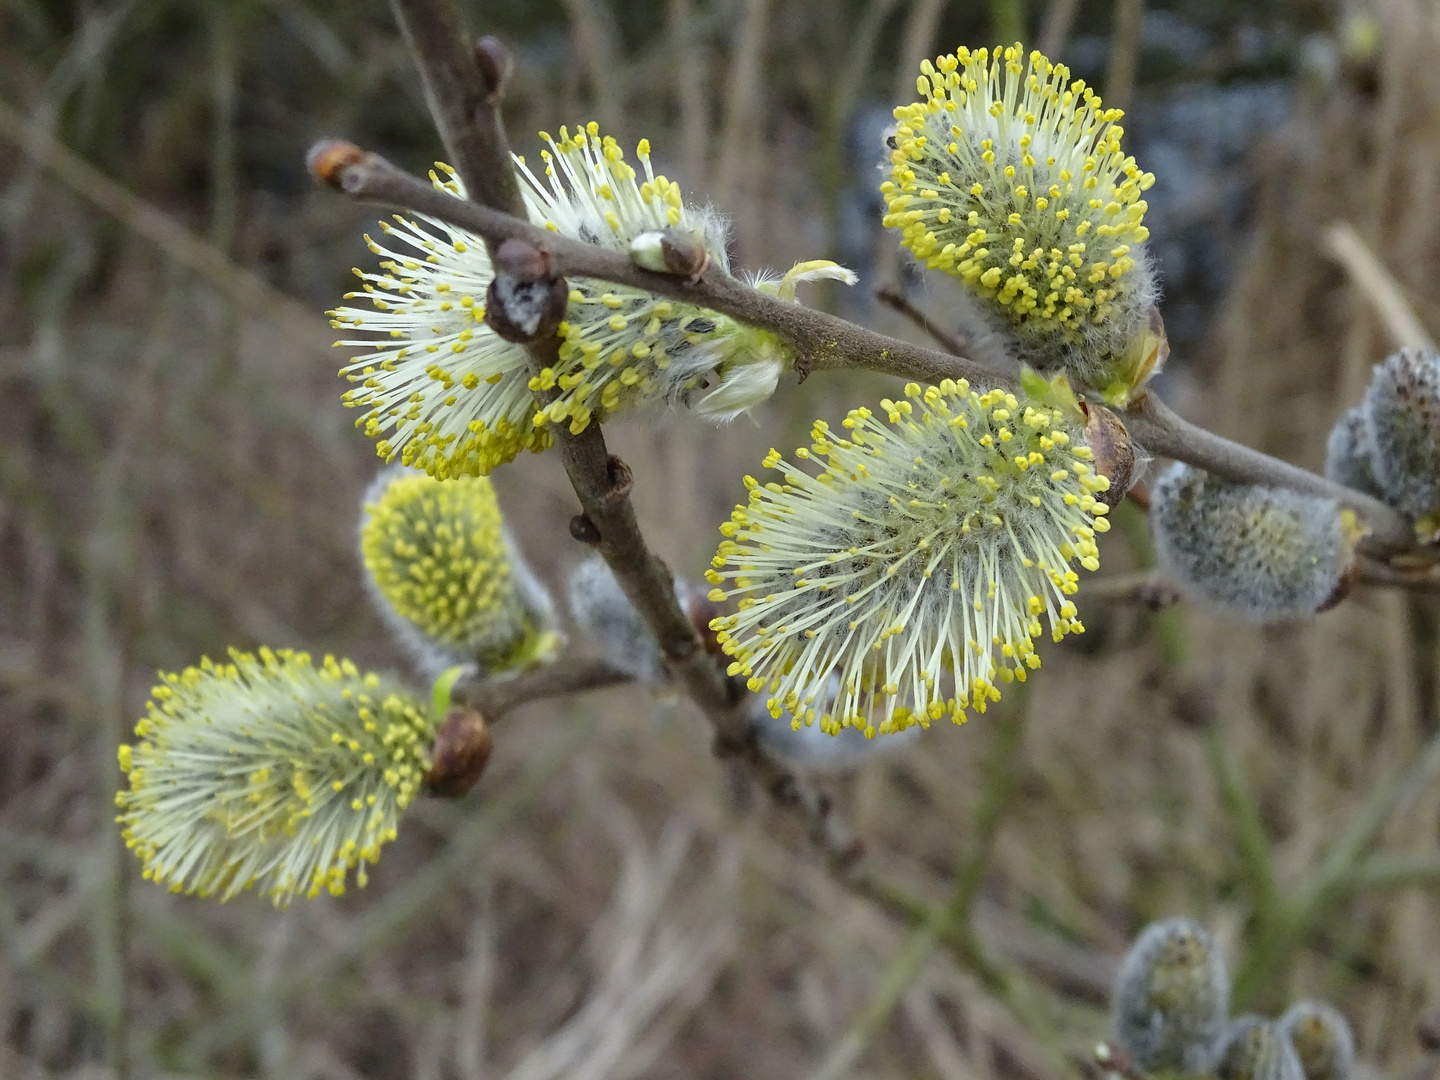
(1257, 1049)
(809, 749)
(1171, 999)
(1321, 1039)
(1402, 422)
(1264, 554)
(1347, 454)
(605, 615)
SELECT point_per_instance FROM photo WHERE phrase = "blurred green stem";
(952, 923)
(1007, 20)
(1282, 927)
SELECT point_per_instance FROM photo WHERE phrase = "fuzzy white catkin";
(809, 749)
(1347, 454)
(1171, 999)
(1402, 421)
(1263, 554)
(1257, 1049)
(605, 615)
(1321, 1039)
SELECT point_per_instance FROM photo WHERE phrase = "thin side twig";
(493, 698)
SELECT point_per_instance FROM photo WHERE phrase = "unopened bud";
(328, 158)
(461, 751)
(1402, 420)
(584, 530)
(493, 59)
(1347, 454)
(1264, 554)
(1142, 357)
(525, 311)
(1321, 1039)
(1171, 999)
(604, 613)
(672, 251)
(1114, 452)
(1256, 1049)
(522, 261)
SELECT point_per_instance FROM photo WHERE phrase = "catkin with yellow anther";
(925, 549)
(446, 576)
(442, 392)
(1010, 177)
(270, 771)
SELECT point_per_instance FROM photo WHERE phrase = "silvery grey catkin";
(1347, 454)
(1171, 999)
(1264, 554)
(1402, 423)
(1321, 1039)
(1256, 1049)
(604, 613)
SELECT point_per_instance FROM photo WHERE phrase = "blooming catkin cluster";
(1172, 998)
(446, 577)
(271, 771)
(444, 393)
(935, 544)
(1012, 179)
(1264, 554)
(1389, 445)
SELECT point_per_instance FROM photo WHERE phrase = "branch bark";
(464, 102)
(825, 341)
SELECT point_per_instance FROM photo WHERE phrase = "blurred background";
(177, 476)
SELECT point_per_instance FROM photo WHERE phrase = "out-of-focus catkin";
(1171, 1000)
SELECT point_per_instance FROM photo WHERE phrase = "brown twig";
(466, 111)
(1155, 426)
(893, 298)
(493, 698)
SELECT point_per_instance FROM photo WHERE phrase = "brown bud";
(702, 611)
(462, 747)
(1114, 453)
(584, 530)
(684, 253)
(620, 477)
(525, 311)
(328, 158)
(493, 59)
(1139, 494)
(522, 261)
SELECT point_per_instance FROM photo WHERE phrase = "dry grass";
(176, 476)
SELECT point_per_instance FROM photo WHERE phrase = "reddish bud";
(495, 64)
(461, 751)
(328, 158)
